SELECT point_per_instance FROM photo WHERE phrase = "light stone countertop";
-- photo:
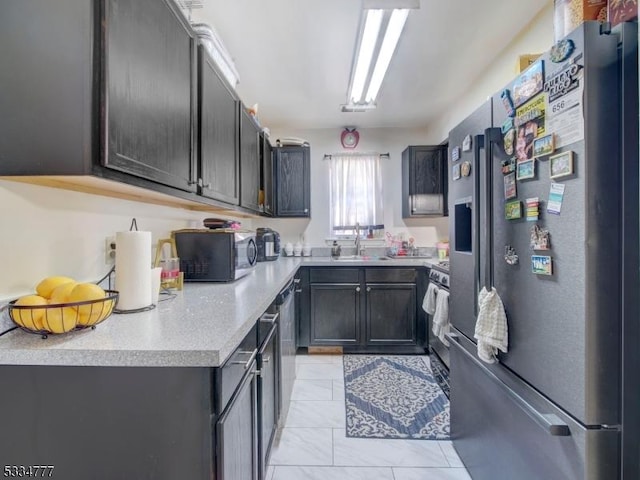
(200, 327)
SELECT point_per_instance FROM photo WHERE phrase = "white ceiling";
(294, 56)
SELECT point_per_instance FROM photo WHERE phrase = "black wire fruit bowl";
(63, 317)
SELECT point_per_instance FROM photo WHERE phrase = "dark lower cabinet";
(335, 314)
(362, 308)
(149, 86)
(391, 314)
(236, 441)
(268, 383)
(292, 181)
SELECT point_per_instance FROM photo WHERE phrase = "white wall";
(386, 140)
(47, 231)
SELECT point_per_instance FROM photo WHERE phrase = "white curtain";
(356, 192)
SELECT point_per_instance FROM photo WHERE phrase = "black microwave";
(220, 255)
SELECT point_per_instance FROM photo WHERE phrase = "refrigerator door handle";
(478, 145)
(493, 137)
(549, 422)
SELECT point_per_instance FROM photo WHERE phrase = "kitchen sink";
(358, 258)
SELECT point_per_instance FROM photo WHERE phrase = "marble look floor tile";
(338, 390)
(451, 454)
(319, 371)
(312, 390)
(312, 414)
(303, 446)
(386, 453)
(332, 473)
(318, 359)
(430, 474)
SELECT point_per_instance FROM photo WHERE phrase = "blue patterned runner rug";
(394, 397)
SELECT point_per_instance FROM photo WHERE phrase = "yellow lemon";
(93, 312)
(60, 319)
(61, 293)
(46, 286)
(30, 318)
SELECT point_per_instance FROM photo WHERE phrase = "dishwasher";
(286, 307)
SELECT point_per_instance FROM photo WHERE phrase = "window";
(356, 193)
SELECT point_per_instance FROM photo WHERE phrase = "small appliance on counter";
(268, 243)
(220, 255)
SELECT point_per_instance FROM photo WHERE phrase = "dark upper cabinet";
(424, 181)
(149, 91)
(292, 181)
(249, 162)
(218, 111)
(266, 176)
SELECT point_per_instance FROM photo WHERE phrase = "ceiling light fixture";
(380, 30)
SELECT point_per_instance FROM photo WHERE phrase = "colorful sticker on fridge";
(561, 165)
(556, 195)
(466, 143)
(507, 102)
(510, 190)
(507, 125)
(513, 210)
(510, 255)
(565, 116)
(532, 211)
(562, 50)
(543, 146)
(508, 165)
(541, 265)
(529, 83)
(540, 238)
(465, 169)
(456, 171)
(562, 82)
(533, 110)
(455, 154)
(508, 141)
(526, 170)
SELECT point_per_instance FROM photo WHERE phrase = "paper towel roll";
(133, 264)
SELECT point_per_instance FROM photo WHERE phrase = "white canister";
(297, 249)
(306, 250)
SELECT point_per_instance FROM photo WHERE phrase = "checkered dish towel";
(491, 326)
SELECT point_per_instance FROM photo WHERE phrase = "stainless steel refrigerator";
(563, 402)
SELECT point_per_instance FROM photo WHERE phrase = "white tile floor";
(313, 445)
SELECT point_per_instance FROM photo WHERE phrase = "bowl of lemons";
(60, 305)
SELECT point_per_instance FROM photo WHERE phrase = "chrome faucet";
(357, 242)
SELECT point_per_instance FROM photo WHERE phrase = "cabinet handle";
(296, 280)
(368, 289)
(269, 318)
(298, 290)
(266, 359)
(306, 210)
(247, 364)
(190, 182)
(207, 186)
(357, 289)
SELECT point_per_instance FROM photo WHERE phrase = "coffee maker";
(268, 243)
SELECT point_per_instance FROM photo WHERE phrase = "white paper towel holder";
(134, 227)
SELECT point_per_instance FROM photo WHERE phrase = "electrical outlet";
(110, 250)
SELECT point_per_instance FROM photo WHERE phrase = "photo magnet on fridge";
(541, 265)
(540, 238)
(456, 171)
(508, 165)
(513, 210)
(561, 165)
(465, 169)
(526, 170)
(510, 190)
(529, 83)
(455, 154)
(543, 146)
(507, 102)
(466, 143)
(509, 141)
(562, 50)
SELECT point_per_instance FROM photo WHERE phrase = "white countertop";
(199, 327)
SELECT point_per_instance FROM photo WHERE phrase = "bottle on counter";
(335, 249)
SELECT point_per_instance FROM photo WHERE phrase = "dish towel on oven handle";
(491, 326)
(441, 318)
(429, 301)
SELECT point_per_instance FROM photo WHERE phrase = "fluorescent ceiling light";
(365, 53)
(391, 37)
(382, 25)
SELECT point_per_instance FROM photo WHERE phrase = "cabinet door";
(249, 162)
(425, 170)
(218, 142)
(391, 314)
(268, 397)
(236, 433)
(293, 196)
(149, 91)
(335, 314)
(267, 175)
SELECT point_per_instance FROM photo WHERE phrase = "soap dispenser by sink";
(335, 249)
